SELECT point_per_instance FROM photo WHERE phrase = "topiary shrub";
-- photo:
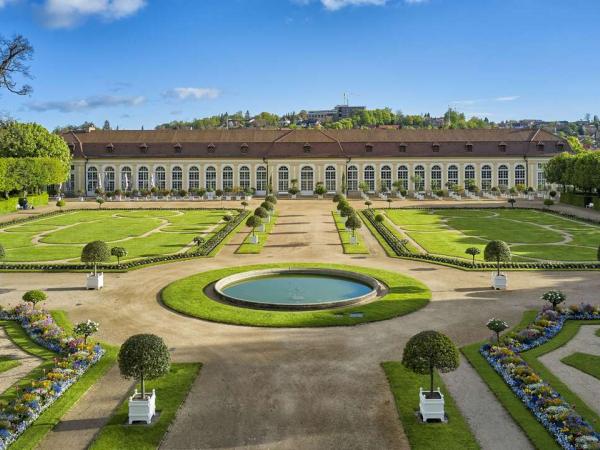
(95, 252)
(267, 206)
(548, 202)
(144, 357)
(86, 329)
(199, 240)
(347, 211)
(261, 212)
(244, 204)
(430, 350)
(320, 189)
(34, 297)
(512, 202)
(497, 326)
(379, 218)
(227, 217)
(368, 204)
(554, 297)
(497, 251)
(338, 197)
(353, 223)
(60, 204)
(271, 199)
(118, 252)
(473, 251)
(253, 222)
(100, 201)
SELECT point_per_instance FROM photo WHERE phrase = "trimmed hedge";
(10, 205)
(573, 199)
(204, 250)
(402, 251)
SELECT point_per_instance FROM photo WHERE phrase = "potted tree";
(118, 252)
(263, 214)
(253, 222)
(320, 190)
(269, 207)
(143, 357)
(352, 223)
(293, 191)
(512, 202)
(271, 199)
(368, 204)
(86, 329)
(244, 205)
(94, 253)
(554, 297)
(473, 251)
(424, 353)
(100, 202)
(497, 251)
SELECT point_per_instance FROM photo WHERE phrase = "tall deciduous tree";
(14, 55)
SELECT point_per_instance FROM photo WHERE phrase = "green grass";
(144, 233)
(360, 248)
(388, 250)
(51, 416)
(7, 363)
(532, 235)
(187, 296)
(247, 247)
(171, 391)
(585, 362)
(454, 435)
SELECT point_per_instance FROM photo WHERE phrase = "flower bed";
(73, 360)
(560, 419)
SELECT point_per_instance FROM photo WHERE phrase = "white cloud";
(85, 104)
(334, 5)
(192, 93)
(471, 102)
(510, 98)
(68, 13)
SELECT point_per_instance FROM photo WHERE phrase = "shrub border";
(207, 249)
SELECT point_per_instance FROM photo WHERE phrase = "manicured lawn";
(360, 248)
(454, 435)
(51, 416)
(7, 363)
(248, 248)
(187, 296)
(171, 391)
(144, 233)
(585, 362)
(532, 235)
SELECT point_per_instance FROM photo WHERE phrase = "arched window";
(126, 178)
(352, 178)
(143, 181)
(330, 181)
(386, 178)
(503, 176)
(419, 178)
(403, 177)
(177, 178)
(244, 177)
(261, 179)
(541, 176)
(210, 178)
(283, 179)
(436, 178)
(486, 178)
(469, 173)
(109, 179)
(369, 178)
(159, 179)
(453, 175)
(92, 179)
(520, 175)
(193, 178)
(227, 178)
(307, 179)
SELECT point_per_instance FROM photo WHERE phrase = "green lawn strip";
(388, 250)
(187, 296)
(51, 416)
(585, 362)
(247, 247)
(360, 248)
(7, 363)
(171, 391)
(535, 432)
(405, 384)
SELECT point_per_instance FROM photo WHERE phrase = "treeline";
(580, 170)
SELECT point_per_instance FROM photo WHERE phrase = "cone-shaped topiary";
(95, 252)
(430, 350)
(497, 251)
(144, 357)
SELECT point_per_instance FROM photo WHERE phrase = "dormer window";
(211, 148)
(369, 147)
(110, 148)
(144, 148)
(178, 147)
(560, 146)
(502, 146)
(244, 148)
(436, 147)
(469, 147)
(307, 147)
(540, 146)
(402, 148)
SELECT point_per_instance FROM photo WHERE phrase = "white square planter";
(95, 281)
(293, 196)
(227, 198)
(261, 228)
(499, 281)
(253, 239)
(353, 240)
(431, 408)
(142, 410)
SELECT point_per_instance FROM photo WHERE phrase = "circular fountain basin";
(297, 289)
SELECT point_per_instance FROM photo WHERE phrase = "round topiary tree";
(338, 197)
(86, 329)
(389, 202)
(261, 212)
(94, 253)
(497, 251)
(379, 218)
(271, 199)
(548, 202)
(473, 251)
(199, 240)
(353, 223)
(320, 189)
(244, 205)
(554, 297)
(430, 350)
(227, 217)
(100, 202)
(34, 297)
(347, 211)
(342, 204)
(368, 204)
(497, 326)
(253, 222)
(512, 202)
(60, 204)
(118, 252)
(267, 206)
(144, 357)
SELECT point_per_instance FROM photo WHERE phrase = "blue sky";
(144, 62)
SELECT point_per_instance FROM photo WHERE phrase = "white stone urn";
(253, 239)
(95, 281)
(499, 281)
(431, 408)
(142, 410)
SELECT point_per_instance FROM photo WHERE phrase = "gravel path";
(584, 385)
(28, 362)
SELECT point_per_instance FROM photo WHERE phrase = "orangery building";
(243, 159)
